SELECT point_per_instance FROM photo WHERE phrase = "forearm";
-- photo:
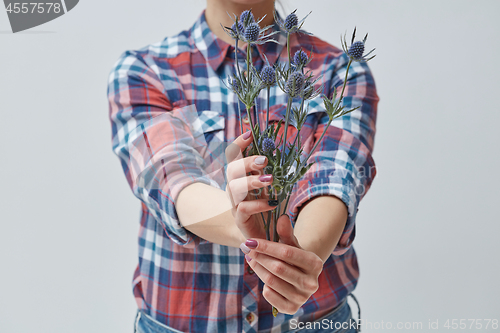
(319, 225)
(206, 212)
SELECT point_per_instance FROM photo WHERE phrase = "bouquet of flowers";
(287, 162)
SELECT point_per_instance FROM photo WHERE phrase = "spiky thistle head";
(268, 75)
(268, 145)
(237, 30)
(252, 32)
(356, 49)
(295, 84)
(236, 85)
(248, 30)
(300, 58)
(247, 17)
(291, 24)
(291, 21)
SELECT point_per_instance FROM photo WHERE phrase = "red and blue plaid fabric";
(186, 282)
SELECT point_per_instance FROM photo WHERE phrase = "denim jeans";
(339, 320)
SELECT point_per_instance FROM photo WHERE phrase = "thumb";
(285, 231)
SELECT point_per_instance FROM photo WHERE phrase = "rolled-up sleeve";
(343, 166)
(158, 143)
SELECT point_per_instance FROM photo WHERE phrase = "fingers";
(285, 231)
(285, 296)
(246, 184)
(305, 260)
(238, 145)
(247, 208)
(246, 220)
(282, 304)
(239, 168)
(272, 267)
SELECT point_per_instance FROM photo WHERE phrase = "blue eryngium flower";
(291, 23)
(268, 146)
(300, 58)
(268, 76)
(355, 51)
(252, 32)
(247, 17)
(237, 30)
(236, 85)
(295, 84)
(248, 30)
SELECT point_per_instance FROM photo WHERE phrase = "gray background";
(427, 235)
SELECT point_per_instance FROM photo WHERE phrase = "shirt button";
(245, 120)
(250, 270)
(250, 317)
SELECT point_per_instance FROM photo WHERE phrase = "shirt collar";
(214, 50)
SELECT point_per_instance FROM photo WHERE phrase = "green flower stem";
(266, 226)
(268, 98)
(298, 128)
(288, 197)
(255, 143)
(248, 107)
(287, 116)
(239, 73)
(345, 82)
(249, 61)
(257, 117)
(296, 137)
(315, 145)
(275, 230)
(236, 58)
(288, 50)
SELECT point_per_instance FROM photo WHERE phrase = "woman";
(204, 263)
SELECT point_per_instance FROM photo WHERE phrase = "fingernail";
(251, 243)
(244, 248)
(247, 135)
(266, 178)
(272, 202)
(247, 257)
(260, 160)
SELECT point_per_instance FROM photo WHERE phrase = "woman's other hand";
(240, 184)
(290, 273)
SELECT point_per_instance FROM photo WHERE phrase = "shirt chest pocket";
(204, 125)
(212, 125)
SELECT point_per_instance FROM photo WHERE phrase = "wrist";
(320, 223)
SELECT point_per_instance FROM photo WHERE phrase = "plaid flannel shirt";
(183, 281)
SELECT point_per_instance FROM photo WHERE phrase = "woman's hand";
(239, 186)
(290, 274)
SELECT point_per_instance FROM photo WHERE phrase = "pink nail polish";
(247, 135)
(251, 243)
(247, 257)
(266, 178)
